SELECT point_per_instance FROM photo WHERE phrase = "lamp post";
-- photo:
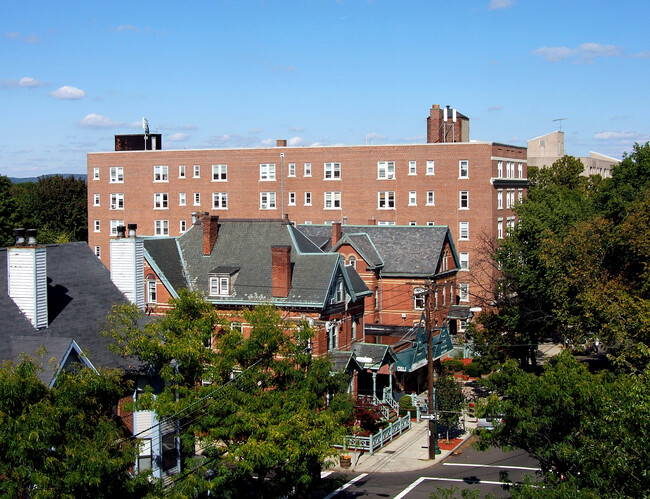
(436, 449)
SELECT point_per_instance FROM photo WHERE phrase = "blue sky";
(244, 73)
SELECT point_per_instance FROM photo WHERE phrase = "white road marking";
(343, 487)
(493, 466)
(463, 480)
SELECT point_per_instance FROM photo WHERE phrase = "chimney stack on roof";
(280, 271)
(210, 232)
(336, 232)
(127, 264)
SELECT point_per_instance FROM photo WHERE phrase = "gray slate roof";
(80, 296)
(396, 249)
(164, 252)
(245, 245)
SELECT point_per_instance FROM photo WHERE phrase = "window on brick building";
(161, 227)
(520, 195)
(499, 199)
(463, 168)
(197, 171)
(116, 174)
(520, 170)
(96, 200)
(332, 200)
(307, 198)
(181, 171)
(117, 201)
(97, 225)
(386, 170)
(114, 225)
(463, 291)
(413, 168)
(412, 223)
(197, 199)
(267, 200)
(463, 200)
(419, 298)
(95, 173)
(431, 168)
(332, 171)
(386, 200)
(463, 230)
(499, 229)
(219, 200)
(98, 251)
(307, 169)
(431, 224)
(182, 199)
(160, 201)
(292, 199)
(182, 226)
(267, 171)
(219, 173)
(431, 199)
(160, 173)
(464, 261)
(292, 169)
(500, 169)
(152, 291)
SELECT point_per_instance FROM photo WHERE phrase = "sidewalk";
(408, 452)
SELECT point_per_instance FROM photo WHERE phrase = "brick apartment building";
(469, 186)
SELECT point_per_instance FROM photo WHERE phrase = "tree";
(63, 442)
(450, 402)
(591, 429)
(6, 210)
(265, 433)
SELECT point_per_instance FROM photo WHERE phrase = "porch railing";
(376, 441)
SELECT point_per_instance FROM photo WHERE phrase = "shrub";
(405, 405)
(452, 365)
(474, 369)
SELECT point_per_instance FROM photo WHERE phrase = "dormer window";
(221, 280)
(339, 294)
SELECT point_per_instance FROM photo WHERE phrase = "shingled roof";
(394, 249)
(80, 296)
(244, 248)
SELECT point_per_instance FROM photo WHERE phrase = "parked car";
(488, 423)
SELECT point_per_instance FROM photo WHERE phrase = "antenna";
(145, 127)
(560, 120)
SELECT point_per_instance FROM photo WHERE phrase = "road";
(483, 471)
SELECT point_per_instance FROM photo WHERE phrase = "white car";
(488, 423)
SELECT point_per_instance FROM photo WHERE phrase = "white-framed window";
(219, 200)
(500, 169)
(114, 225)
(96, 173)
(96, 200)
(160, 173)
(181, 171)
(499, 229)
(413, 167)
(197, 199)
(464, 260)
(510, 224)
(116, 174)
(307, 222)
(145, 456)
(431, 224)
(499, 199)
(385, 170)
(386, 200)
(510, 198)
(182, 199)
(161, 227)
(520, 170)
(97, 226)
(418, 298)
(511, 169)
(292, 170)
(520, 195)
(352, 261)
(412, 223)
(463, 168)
(385, 222)
(332, 201)
(220, 285)
(431, 198)
(463, 291)
(196, 171)
(307, 170)
(463, 200)
(463, 231)
(431, 168)
(98, 251)
(160, 201)
(267, 200)
(117, 201)
(182, 226)
(332, 171)
(292, 199)
(152, 294)
(413, 199)
(267, 171)
(219, 173)
(307, 198)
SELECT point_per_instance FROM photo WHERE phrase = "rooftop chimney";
(27, 277)
(210, 231)
(336, 232)
(281, 271)
(281, 143)
(127, 264)
(446, 125)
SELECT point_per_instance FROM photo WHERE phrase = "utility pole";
(433, 427)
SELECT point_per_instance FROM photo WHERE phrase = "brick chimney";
(336, 232)
(281, 270)
(446, 125)
(372, 221)
(210, 231)
(281, 143)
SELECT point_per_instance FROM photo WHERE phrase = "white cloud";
(126, 27)
(15, 35)
(267, 142)
(254, 131)
(67, 92)
(25, 81)
(585, 53)
(610, 135)
(97, 121)
(295, 141)
(501, 4)
(372, 137)
(641, 55)
(177, 137)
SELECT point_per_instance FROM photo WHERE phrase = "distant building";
(545, 150)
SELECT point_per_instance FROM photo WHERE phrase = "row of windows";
(331, 171)
(440, 295)
(510, 225)
(510, 197)
(510, 169)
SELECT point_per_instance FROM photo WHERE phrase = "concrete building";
(469, 186)
(547, 149)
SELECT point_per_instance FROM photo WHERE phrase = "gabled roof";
(396, 249)
(243, 247)
(80, 296)
(372, 355)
